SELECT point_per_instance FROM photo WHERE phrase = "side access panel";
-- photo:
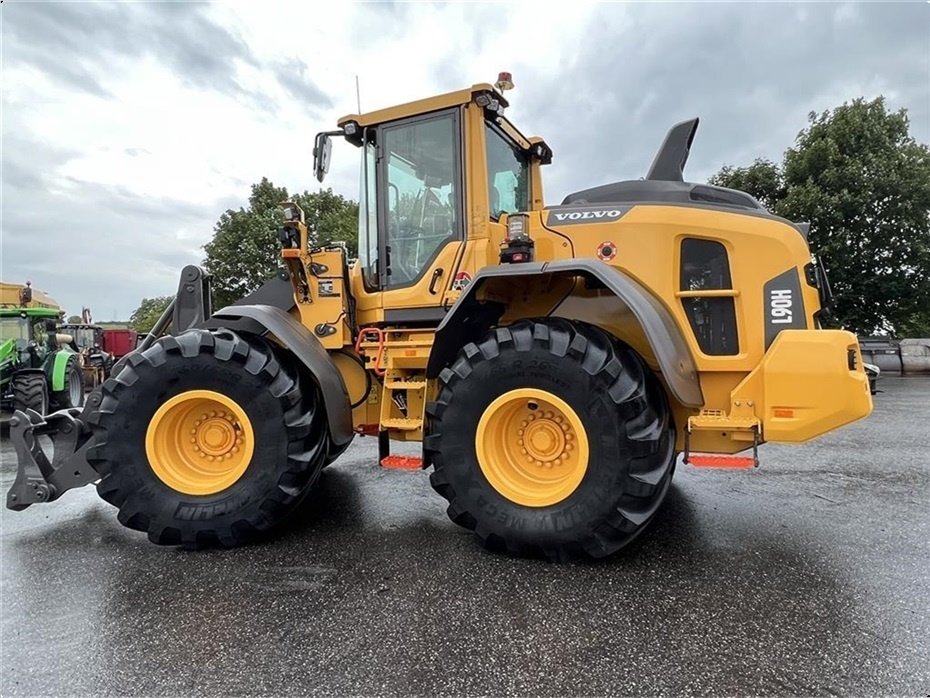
(471, 317)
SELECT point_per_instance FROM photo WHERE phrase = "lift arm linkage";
(41, 478)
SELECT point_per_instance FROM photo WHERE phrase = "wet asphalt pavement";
(808, 576)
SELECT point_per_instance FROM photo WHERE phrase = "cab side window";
(39, 333)
(508, 175)
(422, 194)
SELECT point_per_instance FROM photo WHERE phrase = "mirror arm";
(320, 151)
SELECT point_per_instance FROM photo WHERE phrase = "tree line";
(854, 173)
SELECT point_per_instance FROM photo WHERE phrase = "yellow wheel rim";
(199, 442)
(532, 447)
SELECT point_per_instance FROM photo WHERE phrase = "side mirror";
(322, 149)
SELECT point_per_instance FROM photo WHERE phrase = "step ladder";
(745, 427)
(402, 408)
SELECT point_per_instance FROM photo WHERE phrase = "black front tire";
(287, 417)
(72, 395)
(30, 392)
(625, 415)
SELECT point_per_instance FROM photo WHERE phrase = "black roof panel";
(649, 190)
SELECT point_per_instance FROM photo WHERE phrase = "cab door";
(421, 213)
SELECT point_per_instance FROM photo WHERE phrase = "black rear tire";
(30, 391)
(625, 415)
(72, 395)
(290, 436)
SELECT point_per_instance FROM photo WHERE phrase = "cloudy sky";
(128, 128)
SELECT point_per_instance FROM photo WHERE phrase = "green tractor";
(38, 369)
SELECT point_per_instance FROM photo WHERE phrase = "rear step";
(402, 463)
(739, 428)
(700, 460)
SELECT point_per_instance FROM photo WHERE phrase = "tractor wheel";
(73, 393)
(551, 438)
(207, 438)
(30, 392)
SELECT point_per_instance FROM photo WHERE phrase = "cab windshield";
(84, 337)
(14, 328)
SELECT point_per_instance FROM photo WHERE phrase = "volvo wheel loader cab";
(554, 360)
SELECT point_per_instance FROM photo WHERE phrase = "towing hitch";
(52, 455)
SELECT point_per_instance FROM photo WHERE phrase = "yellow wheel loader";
(554, 360)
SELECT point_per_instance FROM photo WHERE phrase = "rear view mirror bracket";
(322, 149)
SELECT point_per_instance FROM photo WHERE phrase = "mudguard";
(59, 368)
(264, 320)
(470, 318)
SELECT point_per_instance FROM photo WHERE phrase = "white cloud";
(128, 129)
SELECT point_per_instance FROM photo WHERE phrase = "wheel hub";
(532, 447)
(216, 435)
(199, 442)
(544, 437)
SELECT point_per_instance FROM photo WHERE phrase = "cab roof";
(445, 101)
(423, 106)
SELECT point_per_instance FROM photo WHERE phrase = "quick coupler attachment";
(43, 476)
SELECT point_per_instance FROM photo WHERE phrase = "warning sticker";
(461, 281)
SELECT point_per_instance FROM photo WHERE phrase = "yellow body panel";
(804, 386)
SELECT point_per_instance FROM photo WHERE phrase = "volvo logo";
(600, 215)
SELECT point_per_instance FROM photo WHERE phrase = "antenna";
(358, 96)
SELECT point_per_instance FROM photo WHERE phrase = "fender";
(470, 318)
(59, 368)
(265, 320)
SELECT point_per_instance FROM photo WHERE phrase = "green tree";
(863, 182)
(331, 218)
(75, 320)
(146, 315)
(245, 252)
(763, 179)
